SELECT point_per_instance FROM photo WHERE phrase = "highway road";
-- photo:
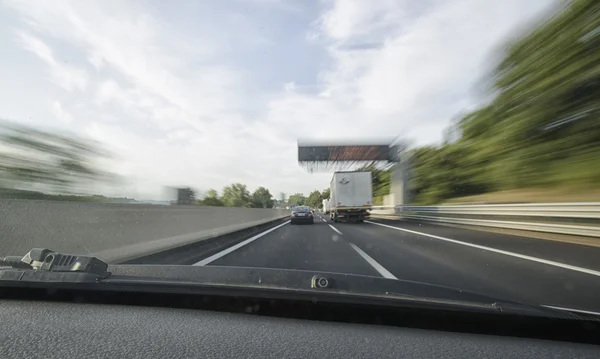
(509, 267)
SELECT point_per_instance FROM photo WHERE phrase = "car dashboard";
(41, 323)
(62, 330)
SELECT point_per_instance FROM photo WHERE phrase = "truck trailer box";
(351, 190)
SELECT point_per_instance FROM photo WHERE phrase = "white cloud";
(137, 45)
(60, 113)
(355, 20)
(107, 91)
(176, 94)
(97, 60)
(404, 66)
(66, 76)
(293, 6)
(289, 86)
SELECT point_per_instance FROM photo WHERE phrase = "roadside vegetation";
(238, 195)
(43, 165)
(538, 139)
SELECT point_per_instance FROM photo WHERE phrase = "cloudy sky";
(206, 93)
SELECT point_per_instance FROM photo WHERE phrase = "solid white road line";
(378, 267)
(224, 252)
(337, 230)
(324, 220)
(572, 310)
(512, 254)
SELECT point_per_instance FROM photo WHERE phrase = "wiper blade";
(44, 265)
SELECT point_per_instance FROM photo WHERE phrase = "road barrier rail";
(580, 219)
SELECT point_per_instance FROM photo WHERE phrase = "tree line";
(542, 128)
(314, 199)
(237, 195)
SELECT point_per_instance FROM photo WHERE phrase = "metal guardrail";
(526, 226)
(589, 211)
(559, 210)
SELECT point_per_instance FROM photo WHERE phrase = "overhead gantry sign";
(316, 156)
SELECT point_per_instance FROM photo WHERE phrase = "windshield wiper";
(44, 265)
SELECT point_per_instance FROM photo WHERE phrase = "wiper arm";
(42, 264)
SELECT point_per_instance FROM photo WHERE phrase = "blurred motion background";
(36, 164)
(536, 138)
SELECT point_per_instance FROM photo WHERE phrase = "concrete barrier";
(116, 232)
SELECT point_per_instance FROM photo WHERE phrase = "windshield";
(453, 143)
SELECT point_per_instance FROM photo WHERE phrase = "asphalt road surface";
(530, 270)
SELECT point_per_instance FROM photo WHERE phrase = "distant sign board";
(344, 153)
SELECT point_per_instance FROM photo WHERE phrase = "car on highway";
(302, 214)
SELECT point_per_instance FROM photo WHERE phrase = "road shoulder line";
(530, 235)
(500, 251)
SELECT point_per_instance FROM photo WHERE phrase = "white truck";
(351, 196)
(326, 206)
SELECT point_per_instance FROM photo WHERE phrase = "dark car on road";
(302, 215)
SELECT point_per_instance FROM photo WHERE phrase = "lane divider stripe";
(512, 254)
(335, 229)
(224, 252)
(378, 267)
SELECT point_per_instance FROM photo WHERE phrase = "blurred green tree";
(35, 160)
(540, 130)
(212, 199)
(236, 195)
(297, 199)
(262, 198)
(315, 199)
